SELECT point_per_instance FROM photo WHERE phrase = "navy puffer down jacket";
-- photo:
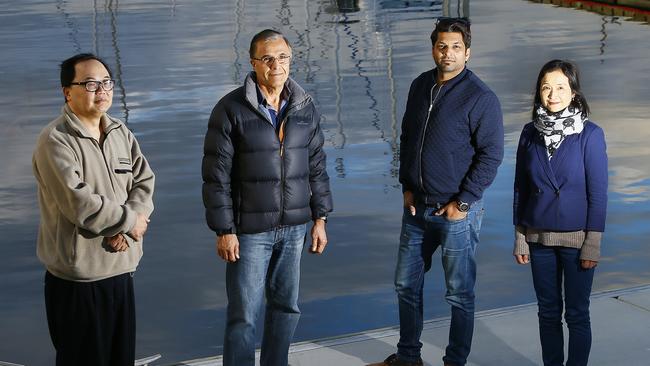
(256, 179)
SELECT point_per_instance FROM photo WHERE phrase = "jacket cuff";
(591, 247)
(319, 212)
(521, 246)
(320, 216)
(140, 207)
(407, 188)
(225, 231)
(130, 240)
(129, 219)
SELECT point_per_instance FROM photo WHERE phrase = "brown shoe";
(392, 360)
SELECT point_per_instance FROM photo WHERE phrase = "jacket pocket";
(123, 175)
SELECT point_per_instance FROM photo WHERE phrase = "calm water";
(174, 59)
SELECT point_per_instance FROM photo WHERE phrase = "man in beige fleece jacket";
(95, 193)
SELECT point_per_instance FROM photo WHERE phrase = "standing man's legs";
(123, 345)
(245, 280)
(91, 323)
(459, 240)
(282, 285)
(409, 282)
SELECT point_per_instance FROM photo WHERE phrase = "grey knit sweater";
(588, 242)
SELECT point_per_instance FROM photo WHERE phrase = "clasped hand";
(119, 243)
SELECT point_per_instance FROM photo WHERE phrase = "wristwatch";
(462, 206)
(324, 218)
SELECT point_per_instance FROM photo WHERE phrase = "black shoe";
(392, 360)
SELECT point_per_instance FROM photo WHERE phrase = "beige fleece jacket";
(88, 192)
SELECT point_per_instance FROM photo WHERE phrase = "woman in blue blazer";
(560, 204)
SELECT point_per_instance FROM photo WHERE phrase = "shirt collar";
(261, 100)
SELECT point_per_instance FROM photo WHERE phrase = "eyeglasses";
(93, 85)
(269, 60)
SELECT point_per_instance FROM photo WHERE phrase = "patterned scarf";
(554, 127)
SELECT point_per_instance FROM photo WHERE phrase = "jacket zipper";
(432, 100)
(108, 168)
(281, 137)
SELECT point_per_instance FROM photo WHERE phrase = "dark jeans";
(551, 267)
(421, 235)
(269, 265)
(91, 323)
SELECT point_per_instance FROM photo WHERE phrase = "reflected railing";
(602, 8)
(70, 24)
(603, 30)
(239, 15)
(118, 59)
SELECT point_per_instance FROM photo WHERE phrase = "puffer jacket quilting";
(253, 181)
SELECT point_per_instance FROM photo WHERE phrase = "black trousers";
(91, 323)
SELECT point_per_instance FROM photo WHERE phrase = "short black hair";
(67, 67)
(570, 70)
(264, 36)
(460, 25)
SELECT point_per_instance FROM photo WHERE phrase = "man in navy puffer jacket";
(451, 147)
(264, 179)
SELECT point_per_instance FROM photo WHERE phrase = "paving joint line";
(618, 298)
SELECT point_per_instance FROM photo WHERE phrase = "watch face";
(463, 206)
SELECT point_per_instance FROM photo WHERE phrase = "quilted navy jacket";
(256, 179)
(452, 139)
(567, 193)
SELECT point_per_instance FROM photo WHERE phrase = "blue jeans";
(421, 235)
(551, 266)
(269, 265)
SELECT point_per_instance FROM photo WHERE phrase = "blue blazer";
(566, 193)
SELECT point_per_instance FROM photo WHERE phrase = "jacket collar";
(73, 121)
(298, 97)
(453, 81)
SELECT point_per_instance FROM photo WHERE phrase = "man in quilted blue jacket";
(451, 147)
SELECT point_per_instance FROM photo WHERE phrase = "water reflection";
(603, 29)
(239, 13)
(348, 6)
(112, 9)
(611, 8)
(69, 22)
(174, 60)
(462, 8)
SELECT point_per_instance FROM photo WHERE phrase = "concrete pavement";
(503, 337)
